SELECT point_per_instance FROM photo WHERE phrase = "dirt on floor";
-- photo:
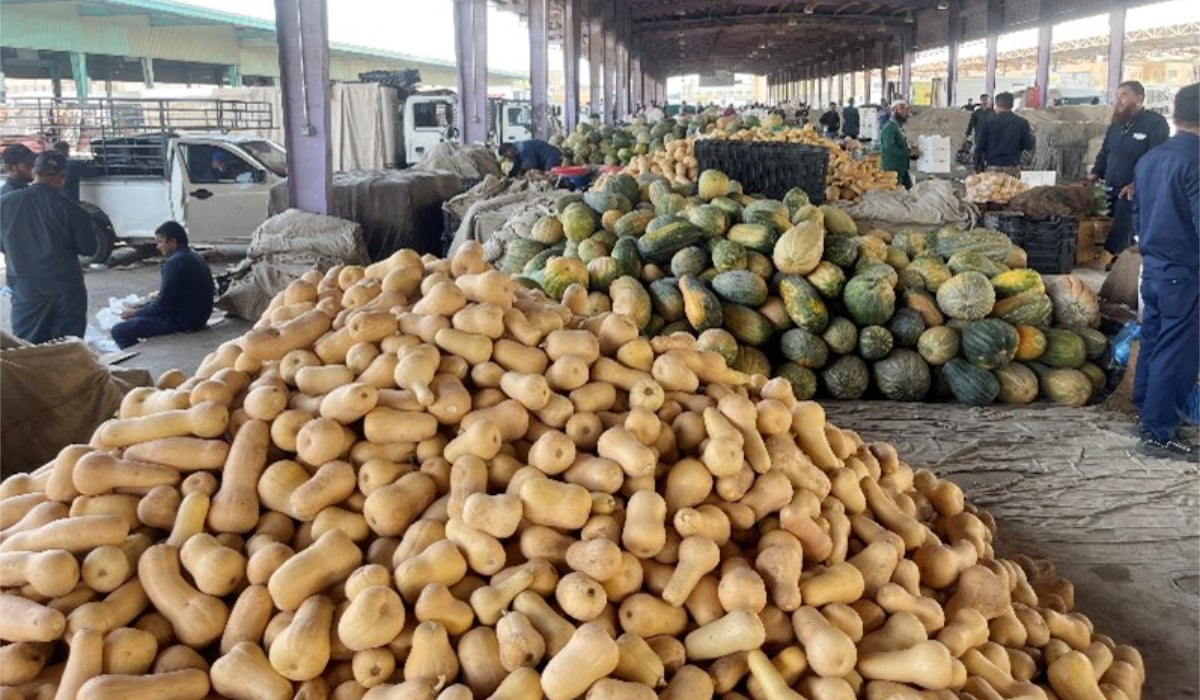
(1063, 483)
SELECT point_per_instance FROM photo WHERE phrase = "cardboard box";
(1089, 242)
(936, 156)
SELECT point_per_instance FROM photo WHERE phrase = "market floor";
(1063, 484)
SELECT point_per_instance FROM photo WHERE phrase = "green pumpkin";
(967, 260)
(1094, 342)
(547, 230)
(924, 304)
(841, 335)
(560, 273)
(746, 324)
(732, 209)
(1063, 386)
(847, 378)
(938, 345)
(967, 296)
(517, 253)
(989, 343)
(804, 348)
(1018, 383)
(591, 249)
(874, 342)
(1013, 282)
(828, 279)
(666, 298)
(665, 236)
(601, 273)
(971, 385)
(1095, 375)
(712, 184)
(700, 305)
(803, 303)
(631, 299)
(990, 244)
(913, 242)
(759, 264)
(670, 205)
(841, 251)
(906, 327)
(689, 261)
(902, 376)
(633, 223)
(794, 199)
(802, 379)
(740, 287)
(709, 219)
(578, 221)
(776, 312)
(869, 300)
(751, 360)
(1065, 349)
(625, 252)
(754, 236)
(1028, 308)
(720, 341)
(932, 270)
(728, 255)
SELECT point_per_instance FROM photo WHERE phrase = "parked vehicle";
(141, 162)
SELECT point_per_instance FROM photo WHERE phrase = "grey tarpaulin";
(497, 220)
(928, 205)
(396, 208)
(282, 249)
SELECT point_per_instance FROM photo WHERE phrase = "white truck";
(138, 163)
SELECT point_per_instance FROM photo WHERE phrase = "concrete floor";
(1062, 483)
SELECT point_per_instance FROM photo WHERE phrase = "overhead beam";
(774, 21)
(647, 10)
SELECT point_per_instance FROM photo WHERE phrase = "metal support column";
(302, 31)
(55, 78)
(539, 68)
(148, 73)
(995, 22)
(866, 64)
(884, 50)
(571, 26)
(953, 27)
(595, 26)
(638, 96)
(233, 76)
(610, 62)
(906, 45)
(464, 61)
(1116, 46)
(79, 74)
(479, 118)
(1041, 80)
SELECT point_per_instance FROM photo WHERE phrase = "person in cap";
(533, 154)
(42, 235)
(893, 145)
(1133, 131)
(1001, 140)
(185, 294)
(1166, 202)
(223, 165)
(18, 168)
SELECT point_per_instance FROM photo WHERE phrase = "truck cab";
(427, 120)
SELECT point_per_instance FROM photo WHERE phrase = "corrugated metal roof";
(177, 26)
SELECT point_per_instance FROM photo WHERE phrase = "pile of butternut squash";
(415, 480)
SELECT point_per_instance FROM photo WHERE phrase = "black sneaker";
(1171, 449)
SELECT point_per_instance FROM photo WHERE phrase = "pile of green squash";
(786, 288)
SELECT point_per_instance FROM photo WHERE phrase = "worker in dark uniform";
(895, 152)
(185, 295)
(1167, 204)
(830, 121)
(533, 154)
(71, 189)
(1132, 132)
(42, 233)
(18, 168)
(980, 114)
(1000, 141)
(850, 120)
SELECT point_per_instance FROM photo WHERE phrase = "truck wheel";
(106, 237)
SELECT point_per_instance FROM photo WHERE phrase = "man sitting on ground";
(185, 298)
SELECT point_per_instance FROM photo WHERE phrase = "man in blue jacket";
(42, 235)
(1132, 133)
(533, 154)
(1167, 205)
(185, 297)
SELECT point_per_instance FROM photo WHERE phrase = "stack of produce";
(784, 288)
(846, 179)
(993, 187)
(414, 480)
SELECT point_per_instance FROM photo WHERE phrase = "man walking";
(980, 114)
(1001, 140)
(1131, 134)
(185, 296)
(850, 120)
(894, 150)
(831, 122)
(42, 233)
(1167, 204)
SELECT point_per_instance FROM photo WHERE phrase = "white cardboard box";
(867, 126)
(1039, 178)
(935, 154)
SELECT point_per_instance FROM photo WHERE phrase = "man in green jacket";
(894, 145)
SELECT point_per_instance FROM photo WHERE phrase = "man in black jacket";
(42, 233)
(1000, 141)
(831, 121)
(850, 120)
(980, 114)
(1132, 132)
(185, 296)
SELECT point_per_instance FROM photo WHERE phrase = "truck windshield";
(269, 154)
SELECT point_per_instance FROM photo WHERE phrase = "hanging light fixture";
(810, 8)
(908, 17)
(943, 4)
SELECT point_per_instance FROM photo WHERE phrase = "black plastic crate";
(1049, 243)
(767, 167)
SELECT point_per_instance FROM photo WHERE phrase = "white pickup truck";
(215, 205)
